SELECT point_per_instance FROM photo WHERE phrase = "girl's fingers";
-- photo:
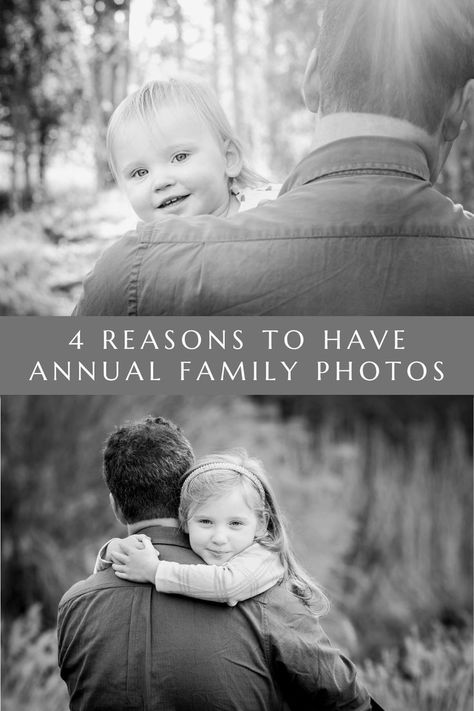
(135, 541)
(118, 568)
(148, 544)
(119, 557)
(122, 575)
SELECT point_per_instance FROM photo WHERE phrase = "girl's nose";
(162, 180)
(219, 536)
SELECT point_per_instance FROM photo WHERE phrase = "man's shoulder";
(115, 266)
(279, 602)
(103, 580)
(124, 247)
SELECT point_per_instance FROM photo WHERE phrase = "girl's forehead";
(238, 496)
(176, 119)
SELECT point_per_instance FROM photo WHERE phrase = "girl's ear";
(233, 158)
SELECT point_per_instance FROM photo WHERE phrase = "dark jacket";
(357, 230)
(122, 645)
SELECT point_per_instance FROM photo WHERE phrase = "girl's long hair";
(214, 481)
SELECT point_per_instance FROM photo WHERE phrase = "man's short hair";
(143, 465)
(400, 58)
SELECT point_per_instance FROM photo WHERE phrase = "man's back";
(141, 649)
(359, 230)
(122, 645)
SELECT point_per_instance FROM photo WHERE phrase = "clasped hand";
(133, 558)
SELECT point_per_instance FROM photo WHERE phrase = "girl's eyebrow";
(238, 517)
(185, 143)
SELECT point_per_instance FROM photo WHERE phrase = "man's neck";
(335, 127)
(138, 525)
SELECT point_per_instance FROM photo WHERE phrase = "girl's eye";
(205, 521)
(139, 173)
(179, 157)
(236, 524)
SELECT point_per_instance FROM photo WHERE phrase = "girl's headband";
(226, 466)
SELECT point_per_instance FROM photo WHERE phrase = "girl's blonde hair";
(217, 475)
(144, 104)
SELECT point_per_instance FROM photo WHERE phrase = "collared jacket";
(358, 229)
(123, 645)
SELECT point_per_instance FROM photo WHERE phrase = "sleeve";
(247, 574)
(312, 673)
(101, 563)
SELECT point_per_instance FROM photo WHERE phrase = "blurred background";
(65, 65)
(377, 491)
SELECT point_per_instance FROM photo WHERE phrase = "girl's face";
(222, 527)
(178, 168)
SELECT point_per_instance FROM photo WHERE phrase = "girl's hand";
(137, 560)
(113, 546)
(123, 545)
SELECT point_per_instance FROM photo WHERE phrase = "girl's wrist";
(151, 571)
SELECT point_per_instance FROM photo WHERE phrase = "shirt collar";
(359, 153)
(138, 525)
(169, 535)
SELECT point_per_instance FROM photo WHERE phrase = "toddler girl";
(235, 525)
(172, 150)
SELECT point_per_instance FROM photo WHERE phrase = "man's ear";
(117, 510)
(311, 83)
(233, 158)
(456, 111)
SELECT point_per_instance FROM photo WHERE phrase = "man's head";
(407, 59)
(143, 465)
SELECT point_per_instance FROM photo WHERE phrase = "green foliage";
(432, 674)
(416, 508)
(30, 678)
(44, 85)
(46, 253)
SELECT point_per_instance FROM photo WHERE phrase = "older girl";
(235, 525)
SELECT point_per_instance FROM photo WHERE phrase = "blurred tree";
(229, 15)
(110, 67)
(394, 416)
(291, 30)
(42, 83)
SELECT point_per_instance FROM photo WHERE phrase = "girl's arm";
(247, 574)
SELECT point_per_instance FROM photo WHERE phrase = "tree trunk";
(110, 68)
(14, 198)
(230, 12)
(271, 116)
(216, 47)
(27, 193)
